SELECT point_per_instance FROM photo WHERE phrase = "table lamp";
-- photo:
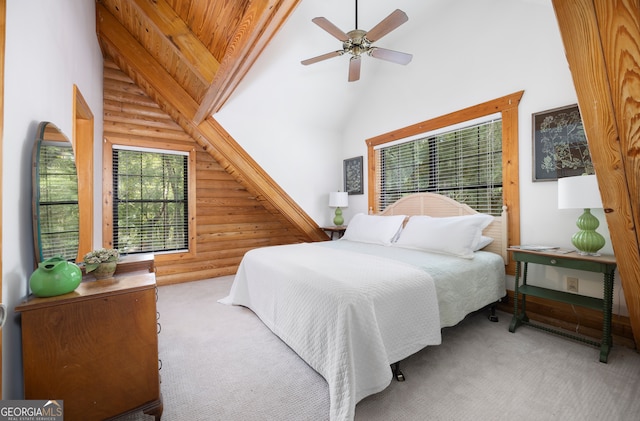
(338, 199)
(582, 192)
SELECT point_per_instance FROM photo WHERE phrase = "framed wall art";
(560, 146)
(353, 175)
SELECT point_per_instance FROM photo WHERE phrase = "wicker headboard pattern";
(437, 205)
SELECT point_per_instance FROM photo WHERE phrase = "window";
(464, 164)
(499, 176)
(150, 200)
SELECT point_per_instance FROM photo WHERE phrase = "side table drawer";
(586, 265)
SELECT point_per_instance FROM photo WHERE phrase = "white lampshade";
(580, 192)
(338, 199)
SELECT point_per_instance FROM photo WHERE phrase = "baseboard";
(575, 319)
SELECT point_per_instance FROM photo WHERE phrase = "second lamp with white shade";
(338, 200)
(582, 192)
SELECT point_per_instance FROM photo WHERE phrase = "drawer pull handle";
(554, 261)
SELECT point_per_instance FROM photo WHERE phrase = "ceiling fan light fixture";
(356, 43)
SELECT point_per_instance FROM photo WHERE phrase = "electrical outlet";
(572, 284)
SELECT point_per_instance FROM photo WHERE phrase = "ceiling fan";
(358, 42)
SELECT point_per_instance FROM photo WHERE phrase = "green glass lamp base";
(587, 240)
(338, 220)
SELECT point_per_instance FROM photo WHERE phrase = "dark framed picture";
(353, 175)
(560, 146)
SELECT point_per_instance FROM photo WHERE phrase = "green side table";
(605, 264)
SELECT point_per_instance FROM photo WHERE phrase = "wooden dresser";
(96, 348)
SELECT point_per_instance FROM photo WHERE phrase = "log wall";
(229, 219)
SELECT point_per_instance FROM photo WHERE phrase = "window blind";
(464, 164)
(58, 202)
(150, 206)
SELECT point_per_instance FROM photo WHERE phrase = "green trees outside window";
(464, 164)
(150, 206)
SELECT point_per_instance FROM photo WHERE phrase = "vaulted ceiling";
(206, 47)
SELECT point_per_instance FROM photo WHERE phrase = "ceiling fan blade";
(322, 57)
(391, 55)
(330, 28)
(388, 24)
(354, 68)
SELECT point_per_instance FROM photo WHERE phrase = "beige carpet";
(221, 363)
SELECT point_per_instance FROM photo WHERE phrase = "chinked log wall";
(229, 219)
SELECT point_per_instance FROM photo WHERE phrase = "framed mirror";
(54, 195)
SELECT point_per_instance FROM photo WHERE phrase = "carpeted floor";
(221, 363)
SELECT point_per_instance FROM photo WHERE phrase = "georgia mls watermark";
(31, 410)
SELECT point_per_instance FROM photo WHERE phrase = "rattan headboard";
(437, 205)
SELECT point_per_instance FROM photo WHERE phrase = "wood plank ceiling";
(205, 46)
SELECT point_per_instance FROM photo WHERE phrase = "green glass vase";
(55, 276)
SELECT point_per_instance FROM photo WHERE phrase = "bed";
(353, 308)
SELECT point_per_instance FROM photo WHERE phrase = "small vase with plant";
(102, 262)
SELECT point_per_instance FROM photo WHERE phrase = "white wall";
(464, 52)
(50, 46)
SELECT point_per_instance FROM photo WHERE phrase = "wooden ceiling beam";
(602, 45)
(167, 25)
(259, 24)
(142, 63)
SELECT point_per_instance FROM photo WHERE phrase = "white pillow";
(374, 229)
(456, 235)
(484, 242)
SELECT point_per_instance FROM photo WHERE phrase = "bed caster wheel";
(492, 314)
(395, 369)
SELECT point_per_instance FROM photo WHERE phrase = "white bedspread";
(348, 315)
(462, 285)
